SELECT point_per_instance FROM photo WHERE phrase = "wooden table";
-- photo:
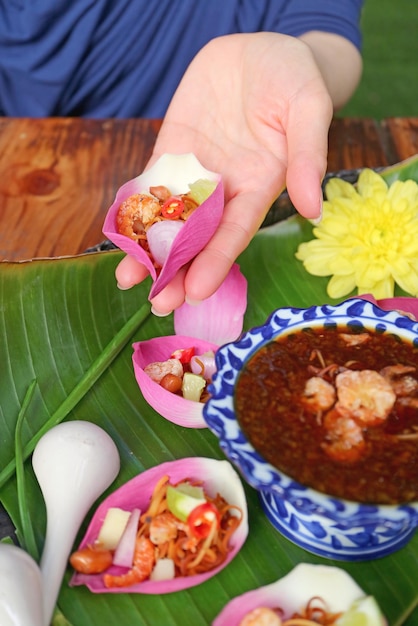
(59, 176)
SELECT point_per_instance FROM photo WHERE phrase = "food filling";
(363, 611)
(184, 373)
(183, 532)
(140, 212)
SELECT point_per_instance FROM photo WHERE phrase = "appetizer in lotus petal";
(160, 364)
(166, 216)
(309, 595)
(173, 372)
(170, 528)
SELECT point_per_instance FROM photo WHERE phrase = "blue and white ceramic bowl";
(324, 525)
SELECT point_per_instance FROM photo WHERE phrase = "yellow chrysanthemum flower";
(367, 238)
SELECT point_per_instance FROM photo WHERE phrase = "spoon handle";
(74, 463)
(61, 531)
(20, 588)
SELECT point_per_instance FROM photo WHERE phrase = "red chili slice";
(202, 518)
(183, 354)
(172, 208)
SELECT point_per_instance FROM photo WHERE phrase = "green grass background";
(389, 85)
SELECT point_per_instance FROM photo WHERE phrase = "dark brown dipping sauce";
(360, 444)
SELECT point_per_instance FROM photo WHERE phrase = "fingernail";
(123, 288)
(317, 220)
(192, 302)
(158, 313)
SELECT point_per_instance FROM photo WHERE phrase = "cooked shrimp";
(163, 527)
(365, 394)
(402, 384)
(135, 214)
(159, 369)
(355, 339)
(318, 394)
(261, 616)
(143, 563)
(344, 438)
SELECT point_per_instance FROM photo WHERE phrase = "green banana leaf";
(56, 318)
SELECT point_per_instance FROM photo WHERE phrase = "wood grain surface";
(59, 176)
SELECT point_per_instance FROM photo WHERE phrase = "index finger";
(242, 218)
(307, 145)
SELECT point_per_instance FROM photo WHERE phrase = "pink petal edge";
(176, 172)
(218, 476)
(170, 406)
(219, 318)
(401, 303)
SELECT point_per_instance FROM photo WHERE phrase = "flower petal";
(408, 281)
(175, 171)
(220, 318)
(407, 189)
(382, 289)
(401, 304)
(338, 188)
(174, 408)
(293, 591)
(370, 184)
(217, 477)
(340, 286)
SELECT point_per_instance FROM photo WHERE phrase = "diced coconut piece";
(163, 570)
(113, 527)
(192, 386)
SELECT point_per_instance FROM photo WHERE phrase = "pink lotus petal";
(293, 591)
(174, 408)
(175, 171)
(405, 304)
(219, 318)
(401, 303)
(218, 476)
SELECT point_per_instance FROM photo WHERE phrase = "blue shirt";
(125, 58)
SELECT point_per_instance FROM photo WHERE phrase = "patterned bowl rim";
(219, 412)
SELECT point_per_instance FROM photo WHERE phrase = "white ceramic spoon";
(74, 463)
(21, 602)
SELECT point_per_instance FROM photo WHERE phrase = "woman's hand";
(256, 109)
